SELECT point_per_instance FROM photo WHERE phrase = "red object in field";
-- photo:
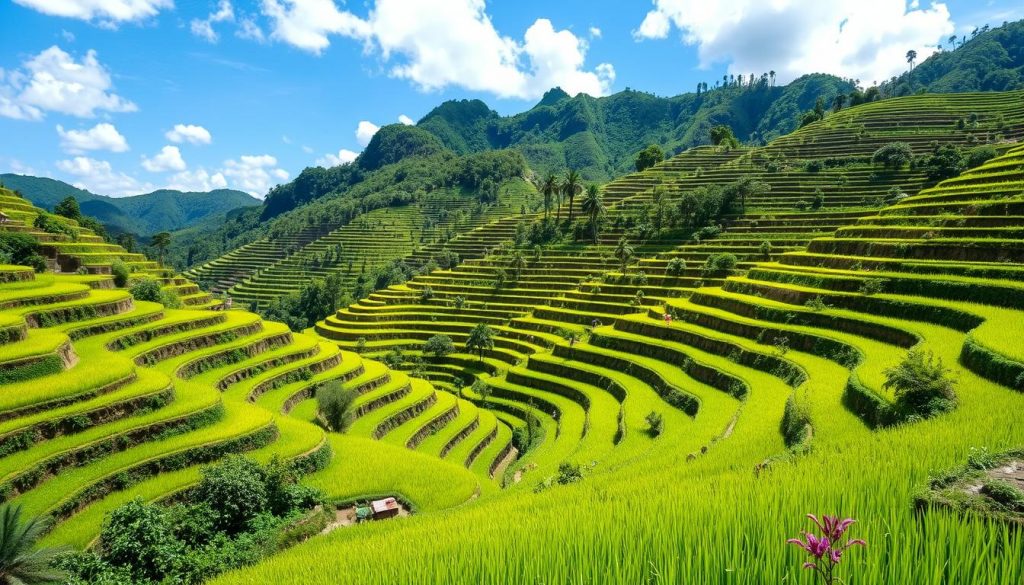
(386, 508)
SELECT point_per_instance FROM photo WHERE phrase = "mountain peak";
(553, 96)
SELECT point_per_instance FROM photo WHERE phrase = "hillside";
(328, 221)
(991, 60)
(601, 136)
(142, 215)
(788, 307)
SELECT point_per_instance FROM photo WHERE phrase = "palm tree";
(19, 563)
(549, 188)
(160, 242)
(593, 206)
(624, 252)
(480, 338)
(911, 57)
(952, 41)
(771, 74)
(572, 187)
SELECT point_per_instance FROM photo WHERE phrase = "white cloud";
(198, 180)
(203, 27)
(189, 133)
(68, 36)
(365, 131)
(168, 159)
(54, 81)
(106, 11)
(307, 23)
(248, 29)
(254, 174)
(595, 33)
(307, 149)
(102, 136)
(99, 177)
(343, 157)
(403, 119)
(286, 139)
(862, 39)
(416, 36)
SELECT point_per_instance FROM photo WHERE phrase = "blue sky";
(124, 96)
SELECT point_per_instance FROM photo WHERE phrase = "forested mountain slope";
(601, 136)
(142, 215)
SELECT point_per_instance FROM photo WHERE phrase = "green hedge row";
(991, 365)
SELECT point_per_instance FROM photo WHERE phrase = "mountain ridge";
(143, 214)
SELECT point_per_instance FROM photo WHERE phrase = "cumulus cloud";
(203, 27)
(189, 133)
(105, 11)
(254, 174)
(595, 33)
(343, 157)
(306, 24)
(248, 29)
(197, 180)
(365, 131)
(862, 39)
(403, 119)
(54, 81)
(102, 136)
(99, 177)
(415, 36)
(168, 159)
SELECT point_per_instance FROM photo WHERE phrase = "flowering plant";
(826, 551)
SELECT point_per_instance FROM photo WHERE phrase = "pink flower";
(824, 550)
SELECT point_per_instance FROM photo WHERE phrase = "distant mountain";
(600, 137)
(163, 210)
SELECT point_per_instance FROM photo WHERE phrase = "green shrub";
(140, 538)
(819, 199)
(922, 385)
(170, 299)
(676, 266)
(980, 155)
(655, 423)
(22, 249)
(119, 270)
(893, 155)
(335, 404)
(1004, 493)
(439, 345)
(146, 289)
(719, 263)
(394, 359)
(872, 286)
(569, 473)
(51, 225)
(234, 489)
(36, 262)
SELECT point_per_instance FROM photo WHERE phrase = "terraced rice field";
(103, 406)
(259, 272)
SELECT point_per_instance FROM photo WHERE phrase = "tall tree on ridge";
(549, 189)
(593, 206)
(572, 187)
(161, 241)
(911, 57)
